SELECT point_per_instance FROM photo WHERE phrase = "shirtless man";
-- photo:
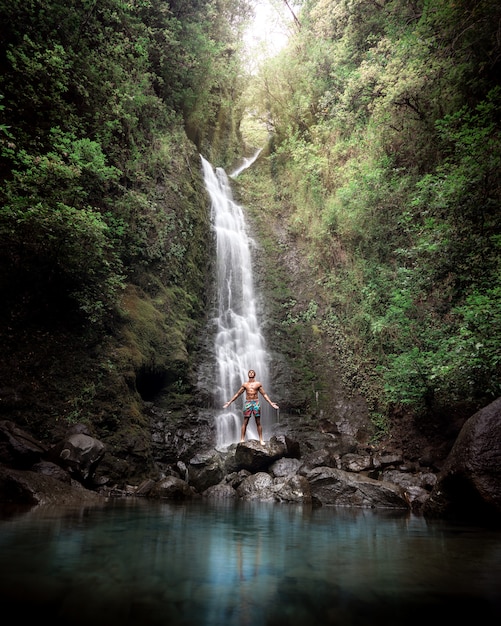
(252, 390)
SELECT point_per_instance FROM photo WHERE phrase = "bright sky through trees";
(269, 31)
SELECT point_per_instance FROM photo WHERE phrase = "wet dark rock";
(263, 487)
(145, 488)
(32, 488)
(416, 485)
(46, 475)
(424, 480)
(292, 446)
(417, 497)
(18, 449)
(235, 479)
(386, 459)
(181, 434)
(469, 485)
(337, 487)
(255, 457)
(285, 467)
(172, 488)
(356, 462)
(205, 470)
(326, 457)
(221, 492)
(47, 468)
(80, 454)
(294, 488)
(257, 486)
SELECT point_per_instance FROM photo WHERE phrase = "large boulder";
(257, 486)
(284, 467)
(81, 454)
(18, 449)
(28, 476)
(172, 488)
(417, 485)
(469, 484)
(205, 470)
(222, 491)
(332, 486)
(261, 486)
(256, 457)
(26, 487)
(292, 488)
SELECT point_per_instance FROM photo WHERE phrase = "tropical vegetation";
(383, 165)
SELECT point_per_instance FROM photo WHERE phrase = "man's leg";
(244, 428)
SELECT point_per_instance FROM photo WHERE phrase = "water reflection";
(132, 562)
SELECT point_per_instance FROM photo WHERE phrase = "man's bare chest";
(252, 389)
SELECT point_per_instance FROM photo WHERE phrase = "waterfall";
(239, 343)
(246, 162)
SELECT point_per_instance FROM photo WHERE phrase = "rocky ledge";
(324, 468)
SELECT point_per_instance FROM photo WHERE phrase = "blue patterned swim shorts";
(252, 407)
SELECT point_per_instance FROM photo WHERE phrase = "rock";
(30, 488)
(356, 462)
(292, 447)
(172, 488)
(284, 467)
(386, 459)
(223, 491)
(31, 478)
(293, 489)
(205, 470)
(325, 457)
(423, 480)
(182, 469)
(255, 457)
(144, 489)
(257, 486)
(18, 449)
(469, 484)
(261, 486)
(356, 425)
(417, 497)
(333, 486)
(52, 469)
(175, 438)
(80, 454)
(416, 485)
(235, 479)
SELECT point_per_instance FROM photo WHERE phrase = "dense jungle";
(375, 203)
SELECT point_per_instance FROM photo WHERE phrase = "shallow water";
(140, 562)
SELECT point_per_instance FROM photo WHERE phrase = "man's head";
(252, 374)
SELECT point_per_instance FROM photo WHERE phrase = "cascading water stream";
(246, 162)
(239, 343)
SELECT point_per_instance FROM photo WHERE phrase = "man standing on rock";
(252, 390)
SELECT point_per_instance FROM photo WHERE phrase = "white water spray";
(239, 343)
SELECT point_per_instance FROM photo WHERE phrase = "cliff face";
(317, 372)
(57, 370)
(142, 384)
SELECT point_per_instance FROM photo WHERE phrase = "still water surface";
(138, 562)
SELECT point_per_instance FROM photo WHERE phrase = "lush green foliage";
(385, 156)
(96, 97)
(387, 152)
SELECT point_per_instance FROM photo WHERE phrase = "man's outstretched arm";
(239, 393)
(265, 396)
